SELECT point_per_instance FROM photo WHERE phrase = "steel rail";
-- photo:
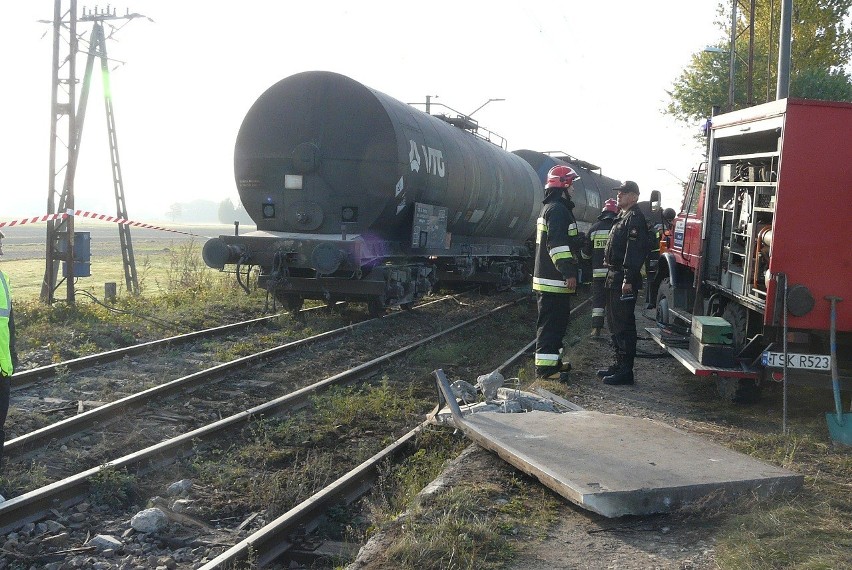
(79, 422)
(274, 539)
(36, 504)
(26, 377)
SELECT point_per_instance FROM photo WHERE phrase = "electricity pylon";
(66, 117)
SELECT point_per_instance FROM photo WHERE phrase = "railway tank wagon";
(590, 191)
(358, 196)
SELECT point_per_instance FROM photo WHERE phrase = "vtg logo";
(434, 159)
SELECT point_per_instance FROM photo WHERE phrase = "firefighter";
(593, 249)
(668, 219)
(555, 274)
(661, 241)
(8, 357)
(626, 252)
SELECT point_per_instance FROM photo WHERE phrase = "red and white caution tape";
(36, 219)
(93, 216)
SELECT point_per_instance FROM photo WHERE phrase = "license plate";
(806, 361)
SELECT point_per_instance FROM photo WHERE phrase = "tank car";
(593, 188)
(590, 191)
(358, 196)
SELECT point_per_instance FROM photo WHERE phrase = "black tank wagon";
(358, 196)
(590, 191)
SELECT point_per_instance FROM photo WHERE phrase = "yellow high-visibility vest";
(5, 311)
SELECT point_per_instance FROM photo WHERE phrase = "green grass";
(179, 294)
(161, 263)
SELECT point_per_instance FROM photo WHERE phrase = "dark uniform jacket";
(557, 241)
(595, 245)
(627, 249)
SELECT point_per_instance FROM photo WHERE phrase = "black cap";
(628, 186)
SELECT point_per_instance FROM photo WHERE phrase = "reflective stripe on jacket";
(556, 244)
(595, 246)
(546, 359)
(5, 336)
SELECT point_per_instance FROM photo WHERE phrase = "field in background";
(154, 252)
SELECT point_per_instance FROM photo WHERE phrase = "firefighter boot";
(617, 357)
(558, 373)
(624, 375)
(565, 372)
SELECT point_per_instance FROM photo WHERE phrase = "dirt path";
(664, 391)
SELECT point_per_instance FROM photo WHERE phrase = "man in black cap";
(625, 253)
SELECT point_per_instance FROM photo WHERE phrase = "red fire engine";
(760, 241)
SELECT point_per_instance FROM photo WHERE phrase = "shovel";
(839, 424)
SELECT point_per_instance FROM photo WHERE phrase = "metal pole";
(750, 80)
(835, 381)
(782, 89)
(733, 55)
(769, 49)
(73, 138)
(784, 418)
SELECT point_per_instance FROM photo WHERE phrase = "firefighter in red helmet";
(555, 275)
(593, 249)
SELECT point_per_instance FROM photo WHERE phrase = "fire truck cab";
(760, 241)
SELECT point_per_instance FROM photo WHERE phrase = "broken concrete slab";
(619, 465)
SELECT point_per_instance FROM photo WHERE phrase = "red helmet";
(561, 177)
(610, 205)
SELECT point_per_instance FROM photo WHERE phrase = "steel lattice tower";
(66, 129)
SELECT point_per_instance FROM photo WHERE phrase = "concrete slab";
(618, 465)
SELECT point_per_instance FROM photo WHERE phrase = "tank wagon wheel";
(376, 307)
(294, 303)
(488, 289)
(738, 390)
(330, 303)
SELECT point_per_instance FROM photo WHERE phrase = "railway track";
(37, 503)
(59, 431)
(274, 540)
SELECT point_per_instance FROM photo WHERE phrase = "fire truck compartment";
(691, 363)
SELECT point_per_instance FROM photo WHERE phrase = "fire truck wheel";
(738, 390)
(665, 297)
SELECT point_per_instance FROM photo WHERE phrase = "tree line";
(821, 46)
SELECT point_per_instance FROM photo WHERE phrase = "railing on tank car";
(466, 123)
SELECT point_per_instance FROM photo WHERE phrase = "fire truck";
(761, 244)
